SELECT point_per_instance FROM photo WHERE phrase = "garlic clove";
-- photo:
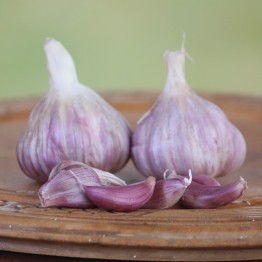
(121, 198)
(183, 131)
(168, 192)
(71, 122)
(63, 189)
(206, 196)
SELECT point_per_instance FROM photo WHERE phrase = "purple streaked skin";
(172, 146)
(60, 141)
(38, 163)
(121, 198)
(207, 196)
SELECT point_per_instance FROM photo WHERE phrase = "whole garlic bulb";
(71, 122)
(183, 131)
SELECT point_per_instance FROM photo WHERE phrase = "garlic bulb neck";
(61, 67)
(176, 81)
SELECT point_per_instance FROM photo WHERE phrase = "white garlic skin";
(71, 122)
(183, 131)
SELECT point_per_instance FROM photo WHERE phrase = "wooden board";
(233, 232)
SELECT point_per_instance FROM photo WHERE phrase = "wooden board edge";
(128, 253)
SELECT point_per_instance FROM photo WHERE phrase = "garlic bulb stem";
(61, 67)
(175, 71)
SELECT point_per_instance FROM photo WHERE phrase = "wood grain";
(233, 232)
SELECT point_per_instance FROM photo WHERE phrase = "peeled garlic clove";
(106, 178)
(63, 188)
(206, 196)
(183, 131)
(71, 122)
(121, 198)
(168, 192)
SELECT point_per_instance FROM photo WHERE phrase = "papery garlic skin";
(183, 131)
(105, 178)
(63, 189)
(71, 122)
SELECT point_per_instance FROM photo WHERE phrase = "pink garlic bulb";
(71, 122)
(184, 131)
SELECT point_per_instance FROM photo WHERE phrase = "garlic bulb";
(71, 122)
(121, 198)
(183, 131)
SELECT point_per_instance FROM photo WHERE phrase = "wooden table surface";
(232, 233)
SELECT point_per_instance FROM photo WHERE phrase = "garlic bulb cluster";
(183, 131)
(71, 122)
(75, 141)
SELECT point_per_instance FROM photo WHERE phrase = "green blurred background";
(119, 44)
